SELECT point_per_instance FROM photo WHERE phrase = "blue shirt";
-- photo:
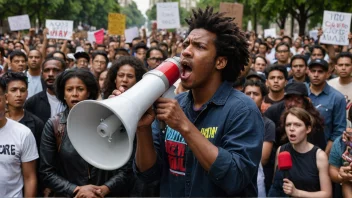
(331, 105)
(337, 149)
(232, 122)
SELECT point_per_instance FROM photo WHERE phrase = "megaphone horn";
(102, 132)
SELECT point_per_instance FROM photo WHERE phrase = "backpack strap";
(59, 130)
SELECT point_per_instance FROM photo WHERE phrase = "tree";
(134, 16)
(92, 12)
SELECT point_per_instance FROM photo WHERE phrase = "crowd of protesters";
(302, 90)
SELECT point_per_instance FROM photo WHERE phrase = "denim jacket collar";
(219, 98)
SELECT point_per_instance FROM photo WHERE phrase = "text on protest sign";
(234, 10)
(117, 24)
(20, 22)
(168, 15)
(336, 26)
(59, 29)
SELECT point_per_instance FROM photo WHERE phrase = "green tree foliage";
(134, 16)
(92, 12)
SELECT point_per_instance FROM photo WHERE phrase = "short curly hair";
(109, 83)
(230, 40)
(83, 74)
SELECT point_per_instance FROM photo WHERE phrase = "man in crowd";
(45, 104)
(213, 140)
(276, 82)
(82, 59)
(299, 69)
(343, 83)
(154, 57)
(18, 154)
(35, 83)
(328, 101)
(18, 61)
(283, 54)
(99, 63)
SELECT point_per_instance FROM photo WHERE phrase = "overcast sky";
(143, 5)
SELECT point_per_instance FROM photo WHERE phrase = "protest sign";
(131, 33)
(168, 15)
(20, 22)
(270, 32)
(117, 24)
(336, 26)
(59, 29)
(313, 34)
(234, 10)
(99, 36)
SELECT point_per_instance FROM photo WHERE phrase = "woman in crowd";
(308, 176)
(62, 169)
(125, 72)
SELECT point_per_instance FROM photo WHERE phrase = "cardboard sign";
(59, 29)
(168, 15)
(130, 34)
(313, 34)
(336, 26)
(270, 32)
(20, 22)
(117, 24)
(234, 10)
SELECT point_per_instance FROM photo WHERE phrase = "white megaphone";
(103, 131)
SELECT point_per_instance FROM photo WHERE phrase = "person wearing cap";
(82, 59)
(256, 76)
(276, 82)
(328, 101)
(296, 95)
(70, 60)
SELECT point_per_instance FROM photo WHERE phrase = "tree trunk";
(302, 24)
(255, 22)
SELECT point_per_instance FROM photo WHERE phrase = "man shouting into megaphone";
(212, 142)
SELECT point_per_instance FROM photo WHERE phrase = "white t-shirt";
(34, 85)
(55, 105)
(17, 145)
(346, 90)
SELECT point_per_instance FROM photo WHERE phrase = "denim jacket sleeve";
(48, 155)
(154, 172)
(240, 153)
(339, 118)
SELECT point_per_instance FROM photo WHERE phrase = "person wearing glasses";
(283, 54)
(154, 57)
(99, 63)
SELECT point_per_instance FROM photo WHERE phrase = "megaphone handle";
(162, 124)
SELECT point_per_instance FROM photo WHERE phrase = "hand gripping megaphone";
(103, 131)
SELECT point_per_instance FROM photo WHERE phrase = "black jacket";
(64, 170)
(39, 105)
(35, 124)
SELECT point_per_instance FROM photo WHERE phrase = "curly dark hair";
(109, 83)
(230, 40)
(83, 74)
(14, 76)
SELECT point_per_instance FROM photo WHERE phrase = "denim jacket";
(233, 123)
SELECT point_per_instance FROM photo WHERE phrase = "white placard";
(91, 37)
(130, 34)
(336, 26)
(20, 22)
(313, 34)
(168, 15)
(270, 32)
(59, 29)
